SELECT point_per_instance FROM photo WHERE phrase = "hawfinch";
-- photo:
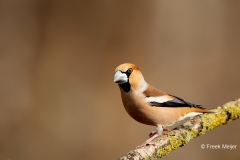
(150, 106)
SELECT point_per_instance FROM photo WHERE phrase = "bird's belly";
(153, 115)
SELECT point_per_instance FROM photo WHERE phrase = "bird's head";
(128, 76)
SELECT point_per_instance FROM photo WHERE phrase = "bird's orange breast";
(138, 110)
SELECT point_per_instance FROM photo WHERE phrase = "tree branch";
(182, 134)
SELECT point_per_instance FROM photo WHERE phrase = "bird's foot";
(149, 141)
(154, 132)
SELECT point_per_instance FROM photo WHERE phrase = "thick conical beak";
(120, 77)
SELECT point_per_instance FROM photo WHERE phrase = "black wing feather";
(176, 102)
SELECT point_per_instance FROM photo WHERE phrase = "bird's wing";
(157, 98)
(175, 102)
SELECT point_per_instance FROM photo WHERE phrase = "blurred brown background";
(57, 61)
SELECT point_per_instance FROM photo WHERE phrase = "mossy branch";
(182, 134)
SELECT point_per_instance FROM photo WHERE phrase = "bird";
(149, 105)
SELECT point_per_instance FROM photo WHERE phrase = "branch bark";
(182, 134)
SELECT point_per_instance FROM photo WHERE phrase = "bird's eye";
(130, 70)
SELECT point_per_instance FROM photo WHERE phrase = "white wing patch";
(160, 99)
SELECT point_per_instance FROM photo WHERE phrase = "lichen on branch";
(182, 134)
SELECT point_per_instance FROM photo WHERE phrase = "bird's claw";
(152, 134)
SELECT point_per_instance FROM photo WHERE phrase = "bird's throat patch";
(125, 86)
